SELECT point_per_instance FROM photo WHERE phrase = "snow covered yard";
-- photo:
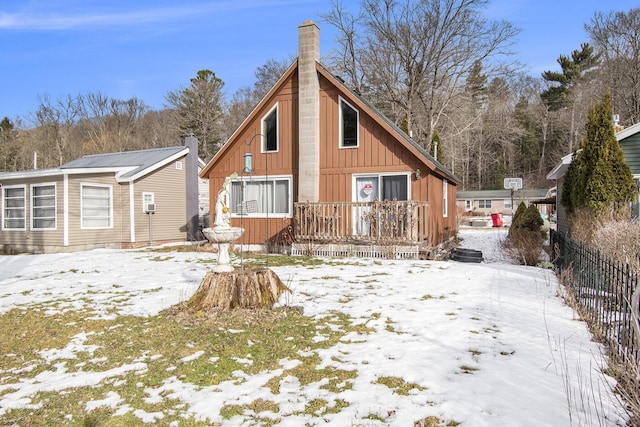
(487, 344)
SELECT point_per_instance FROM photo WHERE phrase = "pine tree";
(599, 179)
(574, 69)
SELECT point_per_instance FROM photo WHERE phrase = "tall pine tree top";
(599, 178)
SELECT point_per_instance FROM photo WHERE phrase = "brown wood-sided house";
(115, 200)
(316, 163)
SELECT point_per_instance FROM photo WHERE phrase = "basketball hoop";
(512, 183)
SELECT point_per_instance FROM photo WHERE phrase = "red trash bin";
(496, 218)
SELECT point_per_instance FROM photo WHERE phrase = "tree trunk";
(259, 288)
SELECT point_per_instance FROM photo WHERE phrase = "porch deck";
(365, 229)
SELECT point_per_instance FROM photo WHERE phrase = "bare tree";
(616, 36)
(246, 98)
(110, 123)
(56, 121)
(415, 55)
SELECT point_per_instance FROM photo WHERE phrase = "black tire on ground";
(467, 252)
(464, 258)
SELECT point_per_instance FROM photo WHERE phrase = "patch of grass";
(475, 352)
(435, 422)
(204, 351)
(468, 369)
(374, 417)
(399, 386)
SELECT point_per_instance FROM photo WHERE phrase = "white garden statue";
(222, 233)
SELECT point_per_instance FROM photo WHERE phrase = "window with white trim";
(382, 187)
(147, 199)
(445, 198)
(96, 206)
(349, 124)
(260, 197)
(484, 204)
(270, 130)
(507, 203)
(468, 205)
(13, 207)
(43, 207)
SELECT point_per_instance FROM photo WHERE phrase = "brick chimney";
(308, 113)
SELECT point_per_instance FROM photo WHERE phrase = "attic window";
(270, 130)
(179, 166)
(349, 118)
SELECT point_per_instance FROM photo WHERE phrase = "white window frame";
(482, 203)
(264, 178)
(379, 177)
(341, 125)
(33, 207)
(263, 131)
(83, 185)
(24, 207)
(468, 205)
(445, 198)
(507, 203)
(145, 203)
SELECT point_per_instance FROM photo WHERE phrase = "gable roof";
(283, 78)
(128, 165)
(627, 132)
(386, 123)
(352, 97)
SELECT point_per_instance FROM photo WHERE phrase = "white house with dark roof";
(125, 199)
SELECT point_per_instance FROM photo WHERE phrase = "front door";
(366, 191)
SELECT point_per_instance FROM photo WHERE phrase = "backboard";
(512, 183)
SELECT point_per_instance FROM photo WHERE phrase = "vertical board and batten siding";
(282, 162)
(37, 240)
(168, 184)
(86, 238)
(378, 152)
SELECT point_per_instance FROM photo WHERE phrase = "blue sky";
(144, 48)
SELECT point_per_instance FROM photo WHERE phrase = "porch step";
(356, 251)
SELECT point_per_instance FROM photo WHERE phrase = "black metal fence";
(604, 289)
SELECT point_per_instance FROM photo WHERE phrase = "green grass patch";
(203, 351)
(399, 386)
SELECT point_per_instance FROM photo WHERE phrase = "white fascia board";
(626, 133)
(38, 173)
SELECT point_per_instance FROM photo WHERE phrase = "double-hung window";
(43, 207)
(13, 208)
(96, 206)
(484, 204)
(259, 197)
(349, 119)
(270, 130)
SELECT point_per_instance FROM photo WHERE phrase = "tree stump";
(258, 288)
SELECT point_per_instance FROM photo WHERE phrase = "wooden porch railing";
(362, 222)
